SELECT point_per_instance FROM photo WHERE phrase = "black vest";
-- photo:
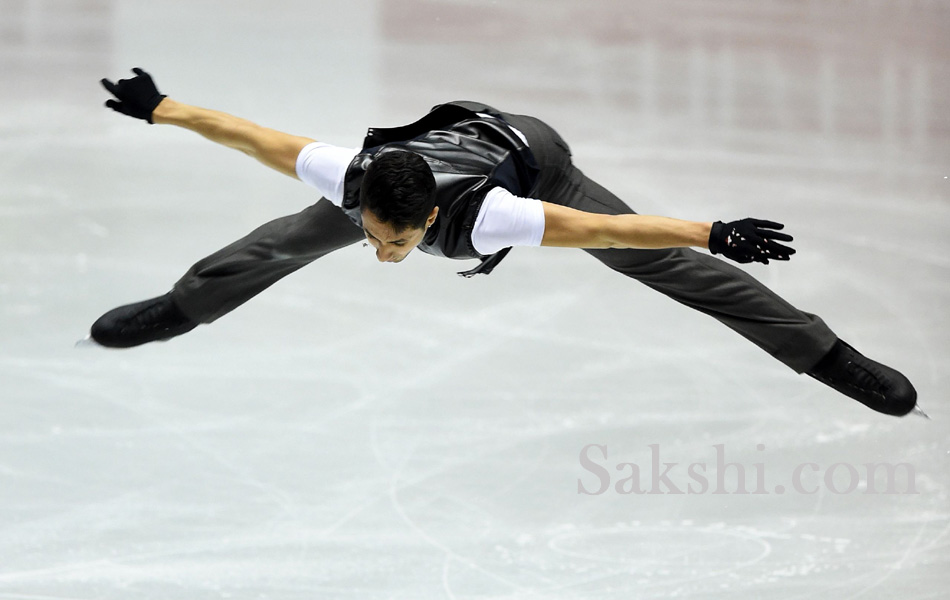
(468, 154)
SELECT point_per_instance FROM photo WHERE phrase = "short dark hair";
(399, 188)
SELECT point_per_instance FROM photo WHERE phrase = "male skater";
(468, 181)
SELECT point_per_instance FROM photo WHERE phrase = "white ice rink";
(370, 431)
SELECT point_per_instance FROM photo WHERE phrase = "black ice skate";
(877, 386)
(131, 325)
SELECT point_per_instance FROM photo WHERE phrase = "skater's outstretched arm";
(273, 148)
(743, 241)
(568, 227)
(138, 97)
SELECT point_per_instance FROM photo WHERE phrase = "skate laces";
(867, 376)
(158, 315)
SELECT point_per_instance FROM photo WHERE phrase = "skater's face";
(391, 245)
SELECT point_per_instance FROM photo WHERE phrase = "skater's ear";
(432, 215)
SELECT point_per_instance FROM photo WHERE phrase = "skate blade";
(918, 411)
(87, 342)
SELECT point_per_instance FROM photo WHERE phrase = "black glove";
(138, 96)
(749, 240)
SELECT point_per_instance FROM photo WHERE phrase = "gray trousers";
(226, 279)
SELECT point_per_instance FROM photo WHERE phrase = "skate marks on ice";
(482, 550)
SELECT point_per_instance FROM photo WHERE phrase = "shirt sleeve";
(507, 220)
(323, 167)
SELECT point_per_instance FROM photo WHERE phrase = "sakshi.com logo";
(719, 476)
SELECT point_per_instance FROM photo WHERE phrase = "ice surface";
(379, 431)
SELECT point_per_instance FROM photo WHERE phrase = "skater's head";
(397, 203)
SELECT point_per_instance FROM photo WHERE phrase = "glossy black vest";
(469, 154)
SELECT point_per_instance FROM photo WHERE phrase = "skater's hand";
(749, 240)
(137, 97)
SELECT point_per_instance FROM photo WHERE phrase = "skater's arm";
(138, 97)
(273, 148)
(571, 228)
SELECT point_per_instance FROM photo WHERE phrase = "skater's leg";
(799, 339)
(716, 288)
(697, 280)
(231, 276)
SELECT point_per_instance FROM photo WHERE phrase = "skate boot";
(877, 386)
(131, 325)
